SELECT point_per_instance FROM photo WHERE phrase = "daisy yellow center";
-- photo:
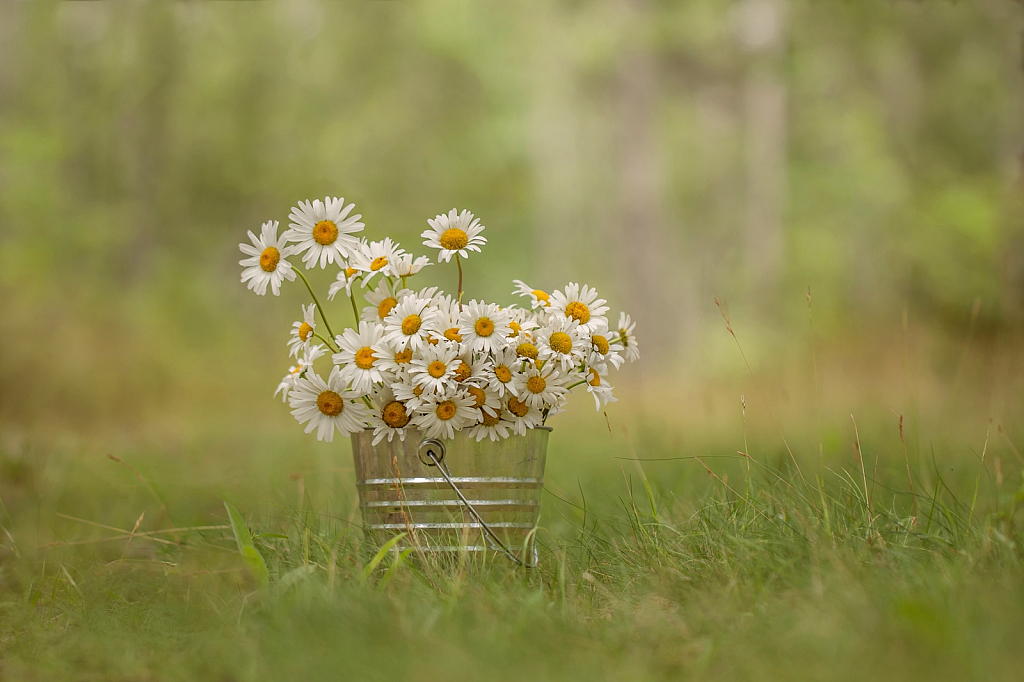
(411, 325)
(536, 384)
(433, 340)
(560, 342)
(305, 330)
(395, 415)
(600, 344)
(269, 259)
(489, 420)
(330, 403)
(515, 327)
(479, 397)
(517, 407)
(578, 311)
(454, 239)
(364, 358)
(625, 337)
(437, 369)
(503, 374)
(595, 378)
(403, 357)
(325, 232)
(484, 327)
(453, 335)
(445, 410)
(542, 296)
(527, 350)
(462, 372)
(378, 263)
(349, 272)
(385, 307)
(417, 391)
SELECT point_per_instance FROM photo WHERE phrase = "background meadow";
(844, 177)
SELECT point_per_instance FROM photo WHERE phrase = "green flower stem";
(329, 344)
(315, 300)
(458, 261)
(578, 383)
(366, 399)
(355, 308)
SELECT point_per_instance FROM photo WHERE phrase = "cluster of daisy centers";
(420, 358)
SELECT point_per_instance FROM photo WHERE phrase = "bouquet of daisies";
(419, 358)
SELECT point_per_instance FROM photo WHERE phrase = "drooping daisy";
(407, 266)
(356, 356)
(521, 322)
(323, 230)
(375, 258)
(296, 370)
(454, 234)
(433, 367)
(381, 301)
(626, 338)
(409, 391)
(560, 343)
(604, 350)
(409, 322)
(346, 278)
(391, 361)
(327, 405)
(522, 416)
(580, 304)
(441, 415)
(541, 388)
(266, 263)
(491, 426)
(598, 387)
(483, 327)
(501, 374)
(390, 417)
(448, 318)
(302, 332)
(484, 398)
(538, 298)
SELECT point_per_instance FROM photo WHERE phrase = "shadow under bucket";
(456, 495)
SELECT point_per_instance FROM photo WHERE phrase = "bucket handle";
(431, 452)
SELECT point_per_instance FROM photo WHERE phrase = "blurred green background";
(668, 153)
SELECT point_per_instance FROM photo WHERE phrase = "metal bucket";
(453, 495)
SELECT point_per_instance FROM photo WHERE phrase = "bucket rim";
(535, 428)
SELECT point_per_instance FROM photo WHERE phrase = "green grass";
(744, 574)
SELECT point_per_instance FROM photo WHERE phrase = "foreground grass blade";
(253, 559)
(379, 556)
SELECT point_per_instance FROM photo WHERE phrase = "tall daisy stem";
(355, 308)
(319, 307)
(329, 344)
(458, 261)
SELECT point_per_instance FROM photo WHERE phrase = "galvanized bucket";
(456, 495)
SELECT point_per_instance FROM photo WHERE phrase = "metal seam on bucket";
(496, 481)
(385, 504)
(449, 526)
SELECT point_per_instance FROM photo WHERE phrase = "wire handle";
(429, 447)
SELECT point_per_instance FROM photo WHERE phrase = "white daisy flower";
(441, 415)
(382, 300)
(407, 266)
(492, 426)
(522, 416)
(448, 318)
(483, 327)
(468, 370)
(501, 374)
(484, 398)
(538, 298)
(626, 338)
(542, 388)
(295, 371)
(390, 361)
(409, 322)
(266, 263)
(521, 322)
(455, 233)
(409, 391)
(327, 405)
(598, 387)
(356, 356)
(526, 351)
(346, 278)
(433, 367)
(581, 304)
(560, 343)
(323, 230)
(432, 294)
(302, 332)
(390, 417)
(376, 258)
(602, 350)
